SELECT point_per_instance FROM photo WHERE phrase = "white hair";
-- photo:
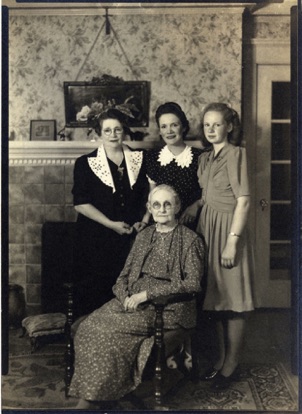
(168, 188)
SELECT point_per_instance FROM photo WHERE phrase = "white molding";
(268, 42)
(116, 9)
(41, 161)
(37, 153)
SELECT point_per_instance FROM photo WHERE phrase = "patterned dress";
(112, 345)
(121, 194)
(223, 178)
(177, 171)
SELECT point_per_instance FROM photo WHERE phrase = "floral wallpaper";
(272, 29)
(191, 59)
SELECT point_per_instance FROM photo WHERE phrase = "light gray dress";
(223, 178)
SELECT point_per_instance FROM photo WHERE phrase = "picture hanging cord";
(107, 31)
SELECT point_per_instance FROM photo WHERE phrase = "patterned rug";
(36, 382)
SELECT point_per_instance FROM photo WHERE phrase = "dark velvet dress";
(100, 253)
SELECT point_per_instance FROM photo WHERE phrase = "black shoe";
(221, 382)
(209, 374)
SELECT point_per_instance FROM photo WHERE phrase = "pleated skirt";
(226, 289)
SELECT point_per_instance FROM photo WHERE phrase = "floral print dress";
(112, 345)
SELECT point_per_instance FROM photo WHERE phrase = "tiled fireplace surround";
(40, 183)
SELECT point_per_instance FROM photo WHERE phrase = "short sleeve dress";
(120, 193)
(223, 178)
(177, 171)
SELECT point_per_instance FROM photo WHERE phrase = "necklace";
(163, 238)
(164, 234)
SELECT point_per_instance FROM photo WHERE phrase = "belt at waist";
(220, 207)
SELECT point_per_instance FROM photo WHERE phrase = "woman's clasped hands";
(121, 227)
(132, 302)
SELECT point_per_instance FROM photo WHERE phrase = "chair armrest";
(164, 300)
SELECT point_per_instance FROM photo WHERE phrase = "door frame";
(275, 293)
(256, 54)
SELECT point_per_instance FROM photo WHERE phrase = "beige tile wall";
(36, 194)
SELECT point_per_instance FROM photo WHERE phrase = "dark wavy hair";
(173, 108)
(111, 114)
(230, 116)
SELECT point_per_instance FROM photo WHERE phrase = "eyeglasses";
(109, 131)
(167, 205)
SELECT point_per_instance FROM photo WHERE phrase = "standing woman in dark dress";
(109, 188)
(176, 163)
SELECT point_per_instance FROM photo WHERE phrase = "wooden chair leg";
(160, 355)
(195, 363)
(69, 351)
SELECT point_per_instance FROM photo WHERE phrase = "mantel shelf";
(62, 152)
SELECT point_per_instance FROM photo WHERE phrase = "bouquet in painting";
(93, 112)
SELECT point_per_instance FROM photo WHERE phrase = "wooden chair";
(159, 303)
(58, 243)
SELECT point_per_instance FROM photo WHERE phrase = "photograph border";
(5, 209)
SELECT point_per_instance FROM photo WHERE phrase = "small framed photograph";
(43, 130)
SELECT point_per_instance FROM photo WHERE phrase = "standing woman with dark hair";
(223, 178)
(110, 191)
(176, 163)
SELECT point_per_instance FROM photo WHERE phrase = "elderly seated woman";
(113, 344)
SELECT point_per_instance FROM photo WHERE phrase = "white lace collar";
(99, 165)
(183, 160)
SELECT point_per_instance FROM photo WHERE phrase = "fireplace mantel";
(62, 152)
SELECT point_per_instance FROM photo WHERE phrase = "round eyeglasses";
(167, 205)
(109, 131)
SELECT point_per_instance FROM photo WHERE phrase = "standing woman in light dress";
(225, 204)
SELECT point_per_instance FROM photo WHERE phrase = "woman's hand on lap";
(135, 300)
